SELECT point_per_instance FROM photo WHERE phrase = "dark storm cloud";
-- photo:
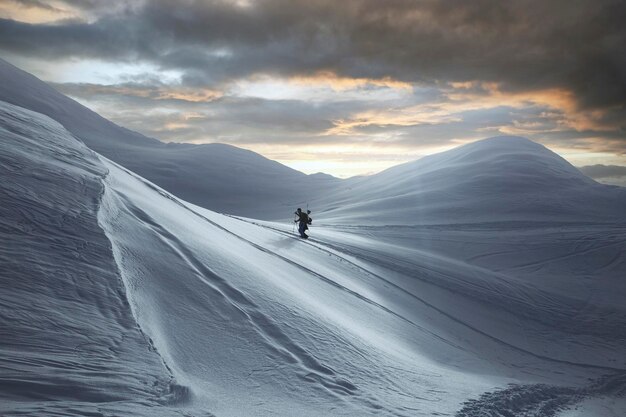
(523, 44)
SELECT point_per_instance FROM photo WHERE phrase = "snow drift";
(118, 298)
(69, 344)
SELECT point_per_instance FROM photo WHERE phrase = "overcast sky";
(346, 87)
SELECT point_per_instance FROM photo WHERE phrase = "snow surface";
(69, 344)
(118, 298)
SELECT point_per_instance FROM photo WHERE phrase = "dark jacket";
(303, 217)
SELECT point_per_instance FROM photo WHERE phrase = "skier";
(303, 221)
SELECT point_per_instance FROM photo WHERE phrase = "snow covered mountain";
(118, 298)
(217, 176)
(505, 178)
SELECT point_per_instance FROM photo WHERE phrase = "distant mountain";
(606, 174)
(216, 176)
(322, 176)
(505, 178)
(603, 171)
(499, 179)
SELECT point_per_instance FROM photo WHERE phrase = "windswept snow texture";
(69, 344)
(118, 298)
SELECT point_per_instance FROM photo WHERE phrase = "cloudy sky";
(346, 87)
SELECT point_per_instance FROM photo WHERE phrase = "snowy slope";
(242, 311)
(120, 299)
(69, 344)
(221, 177)
(506, 178)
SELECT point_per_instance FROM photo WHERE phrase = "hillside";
(217, 176)
(504, 178)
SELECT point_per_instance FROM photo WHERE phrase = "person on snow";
(303, 221)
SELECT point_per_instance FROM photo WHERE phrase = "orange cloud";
(470, 96)
(484, 95)
(196, 96)
(157, 93)
(338, 83)
(408, 116)
(33, 13)
(179, 121)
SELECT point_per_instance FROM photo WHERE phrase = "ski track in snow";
(347, 252)
(263, 324)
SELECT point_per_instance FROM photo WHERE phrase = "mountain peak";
(509, 143)
(323, 176)
(502, 144)
(512, 139)
(498, 155)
